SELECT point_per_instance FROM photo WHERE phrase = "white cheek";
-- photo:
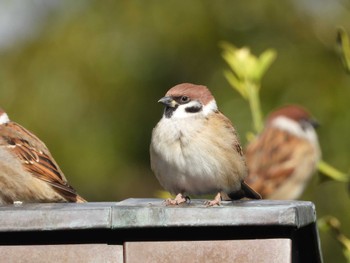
(311, 135)
(210, 107)
(4, 118)
(293, 127)
(181, 113)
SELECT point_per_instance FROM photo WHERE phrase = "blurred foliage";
(332, 225)
(163, 194)
(331, 173)
(245, 76)
(88, 83)
(344, 48)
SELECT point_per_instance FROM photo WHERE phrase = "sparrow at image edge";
(28, 172)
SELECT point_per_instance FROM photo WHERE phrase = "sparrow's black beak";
(168, 101)
(305, 123)
(314, 123)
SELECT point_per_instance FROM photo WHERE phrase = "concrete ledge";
(95, 232)
(134, 213)
(57, 216)
(153, 213)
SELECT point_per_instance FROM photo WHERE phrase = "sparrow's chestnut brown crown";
(192, 92)
(187, 99)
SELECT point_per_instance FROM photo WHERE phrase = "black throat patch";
(168, 111)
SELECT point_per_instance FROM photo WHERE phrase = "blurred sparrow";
(28, 172)
(195, 149)
(282, 159)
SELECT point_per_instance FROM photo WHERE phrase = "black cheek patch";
(193, 109)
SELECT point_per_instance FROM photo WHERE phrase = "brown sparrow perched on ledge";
(282, 159)
(28, 172)
(195, 149)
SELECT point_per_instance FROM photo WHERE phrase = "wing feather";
(271, 161)
(37, 159)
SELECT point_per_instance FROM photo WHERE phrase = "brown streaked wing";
(269, 160)
(37, 159)
(229, 126)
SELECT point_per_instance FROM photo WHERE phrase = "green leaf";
(234, 64)
(344, 48)
(235, 83)
(265, 61)
(227, 46)
(242, 62)
(332, 172)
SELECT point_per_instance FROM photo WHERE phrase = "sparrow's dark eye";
(185, 99)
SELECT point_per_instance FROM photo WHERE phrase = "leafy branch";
(245, 75)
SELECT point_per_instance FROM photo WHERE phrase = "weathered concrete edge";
(33, 217)
(303, 215)
(130, 214)
(137, 213)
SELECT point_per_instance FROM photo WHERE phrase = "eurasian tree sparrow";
(195, 149)
(282, 159)
(28, 172)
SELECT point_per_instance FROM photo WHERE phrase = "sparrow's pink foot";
(179, 199)
(216, 201)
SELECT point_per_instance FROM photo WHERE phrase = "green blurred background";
(85, 76)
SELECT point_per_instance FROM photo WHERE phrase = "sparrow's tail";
(245, 192)
(79, 199)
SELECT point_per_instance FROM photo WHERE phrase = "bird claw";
(216, 201)
(212, 203)
(179, 199)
